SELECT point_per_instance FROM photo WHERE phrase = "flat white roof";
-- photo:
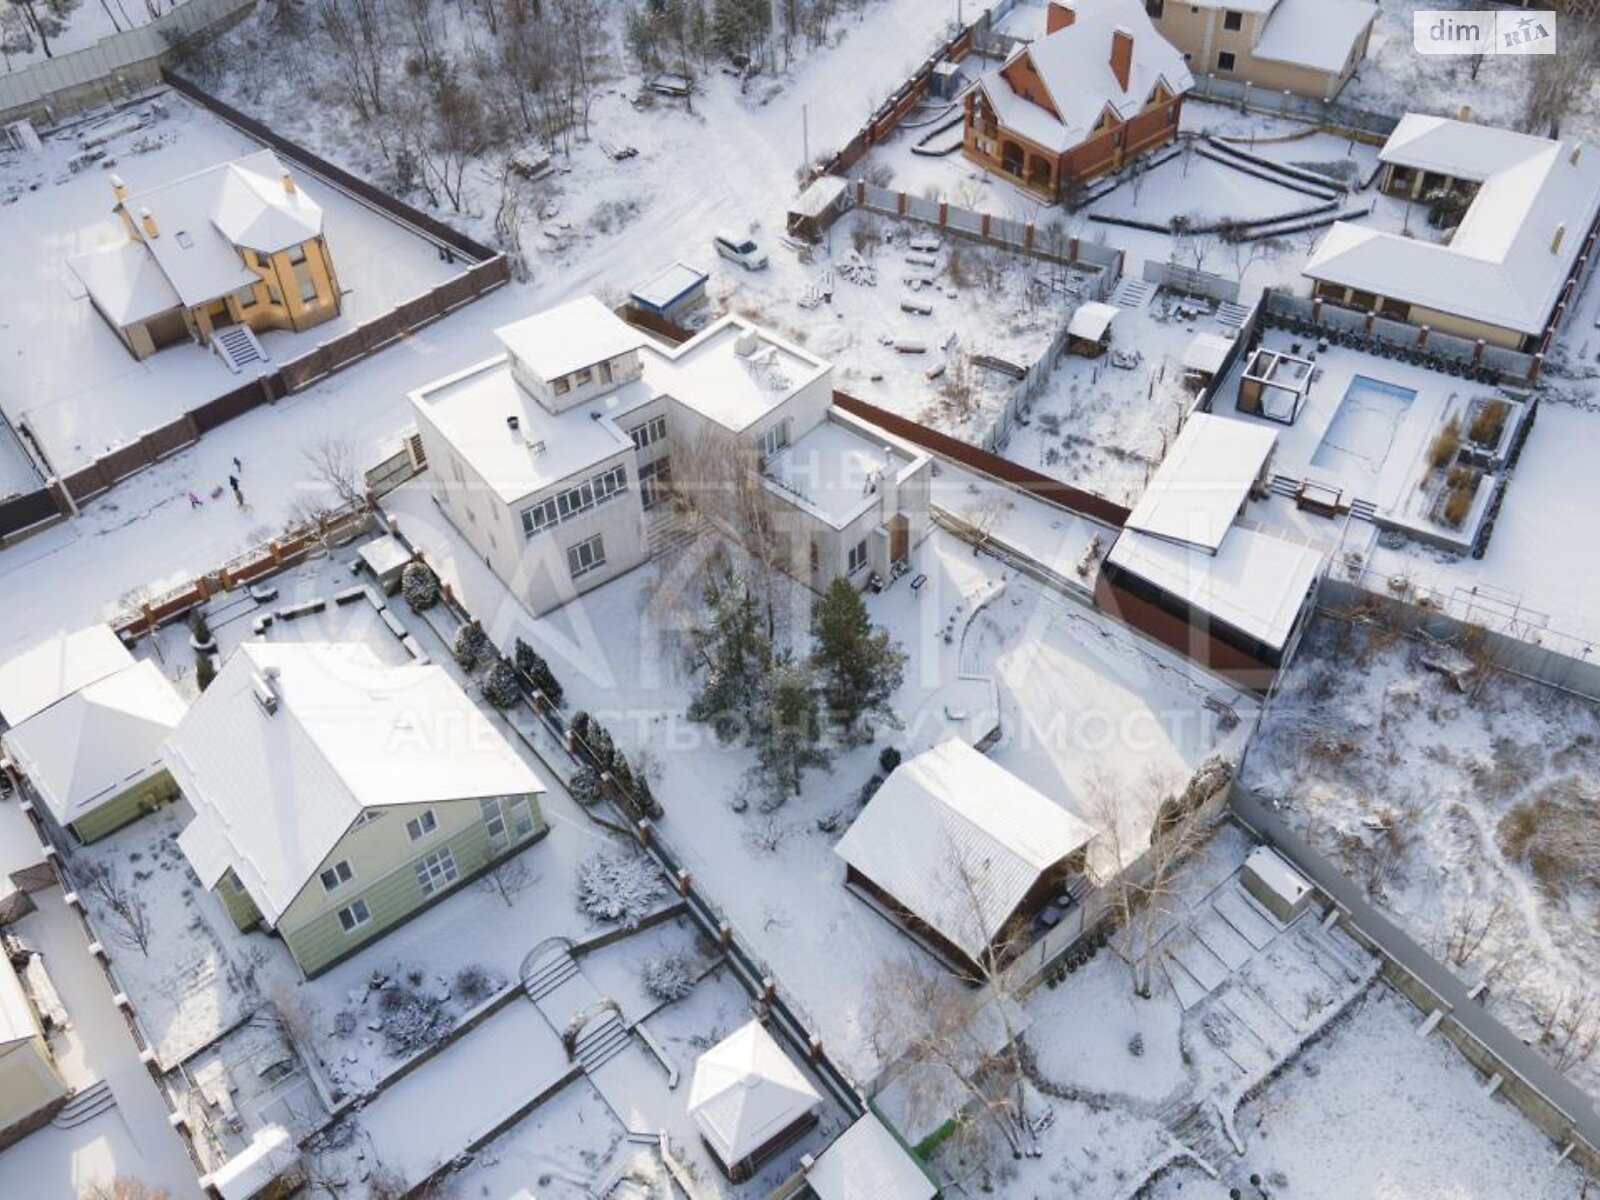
(670, 286)
(278, 790)
(569, 337)
(835, 471)
(867, 1162)
(470, 410)
(96, 743)
(1504, 265)
(733, 372)
(959, 841)
(43, 674)
(1206, 352)
(270, 1153)
(1255, 583)
(1091, 319)
(745, 1092)
(1204, 479)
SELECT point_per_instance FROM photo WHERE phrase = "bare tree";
(125, 1187)
(125, 909)
(1470, 924)
(508, 880)
(354, 29)
(332, 462)
(1569, 1029)
(1556, 81)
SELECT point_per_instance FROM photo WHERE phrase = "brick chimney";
(147, 220)
(288, 184)
(1058, 16)
(1122, 56)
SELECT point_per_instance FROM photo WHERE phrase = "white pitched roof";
(1074, 64)
(867, 1162)
(125, 282)
(569, 337)
(1205, 477)
(96, 743)
(202, 218)
(278, 790)
(1319, 34)
(745, 1092)
(1091, 319)
(948, 813)
(42, 674)
(1256, 582)
(1499, 267)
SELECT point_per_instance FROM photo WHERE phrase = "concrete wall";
(28, 1085)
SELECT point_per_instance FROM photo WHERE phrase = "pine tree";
(860, 668)
(533, 665)
(733, 653)
(788, 731)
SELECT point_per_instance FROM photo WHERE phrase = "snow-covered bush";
(533, 665)
(411, 1020)
(471, 646)
(585, 786)
(419, 585)
(473, 985)
(668, 977)
(619, 888)
(888, 760)
(500, 685)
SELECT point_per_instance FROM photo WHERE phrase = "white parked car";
(742, 250)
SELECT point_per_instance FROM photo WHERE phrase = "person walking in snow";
(238, 467)
(194, 501)
(233, 482)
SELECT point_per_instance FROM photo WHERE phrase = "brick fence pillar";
(1316, 309)
(1422, 336)
(1477, 351)
(1027, 235)
(983, 224)
(944, 213)
(1535, 365)
(900, 203)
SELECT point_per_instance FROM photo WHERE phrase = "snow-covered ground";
(70, 380)
(1421, 793)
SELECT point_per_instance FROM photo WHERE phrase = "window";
(581, 378)
(274, 294)
(605, 372)
(246, 296)
(367, 816)
(339, 873)
(858, 557)
(1233, 20)
(588, 555)
(1225, 61)
(1152, 9)
(561, 386)
(816, 557)
(435, 871)
(655, 481)
(521, 817)
(775, 439)
(563, 506)
(297, 254)
(494, 822)
(648, 434)
(421, 825)
(354, 915)
(308, 289)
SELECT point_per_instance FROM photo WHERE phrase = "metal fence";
(1367, 126)
(1512, 366)
(1190, 281)
(116, 66)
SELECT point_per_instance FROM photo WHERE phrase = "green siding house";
(335, 797)
(93, 757)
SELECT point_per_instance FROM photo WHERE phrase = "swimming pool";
(1361, 434)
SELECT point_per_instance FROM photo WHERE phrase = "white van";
(742, 250)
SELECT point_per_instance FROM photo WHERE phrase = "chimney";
(149, 223)
(1577, 153)
(1465, 113)
(1122, 56)
(1058, 16)
(118, 188)
(1555, 242)
(288, 184)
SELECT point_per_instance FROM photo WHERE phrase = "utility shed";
(818, 207)
(867, 1162)
(1089, 330)
(1281, 889)
(672, 294)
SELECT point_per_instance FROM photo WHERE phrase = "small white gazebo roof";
(746, 1091)
(1091, 320)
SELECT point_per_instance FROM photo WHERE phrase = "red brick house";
(1101, 87)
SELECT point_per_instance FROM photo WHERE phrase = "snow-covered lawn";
(1374, 1110)
(1466, 816)
(70, 379)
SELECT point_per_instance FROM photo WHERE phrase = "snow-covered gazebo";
(1089, 330)
(749, 1100)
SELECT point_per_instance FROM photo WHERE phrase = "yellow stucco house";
(237, 244)
(31, 1089)
(336, 796)
(1308, 47)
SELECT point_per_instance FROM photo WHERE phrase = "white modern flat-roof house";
(1510, 269)
(336, 796)
(554, 457)
(1185, 571)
